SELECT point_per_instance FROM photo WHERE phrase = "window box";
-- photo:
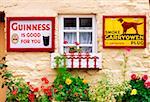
(78, 60)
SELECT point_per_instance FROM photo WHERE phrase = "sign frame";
(124, 16)
(50, 49)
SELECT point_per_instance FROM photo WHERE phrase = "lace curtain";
(84, 38)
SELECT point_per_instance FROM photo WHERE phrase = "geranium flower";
(45, 80)
(65, 42)
(14, 92)
(144, 77)
(49, 87)
(77, 43)
(45, 90)
(49, 93)
(31, 97)
(68, 81)
(36, 89)
(133, 92)
(133, 77)
(147, 83)
(85, 81)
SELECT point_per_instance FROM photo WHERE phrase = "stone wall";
(34, 65)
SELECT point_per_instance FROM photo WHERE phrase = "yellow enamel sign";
(124, 31)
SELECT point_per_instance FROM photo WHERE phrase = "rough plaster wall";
(32, 66)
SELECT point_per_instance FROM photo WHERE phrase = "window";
(77, 32)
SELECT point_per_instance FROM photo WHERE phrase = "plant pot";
(72, 51)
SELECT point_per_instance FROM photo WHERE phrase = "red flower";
(77, 43)
(49, 87)
(133, 77)
(46, 81)
(147, 83)
(14, 92)
(65, 41)
(55, 90)
(31, 97)
(49, 93)
(46, 90)
(36, 89)
(44, 78)
(28, 83)
(144, 77)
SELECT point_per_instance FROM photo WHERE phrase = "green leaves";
(8, 74)
(43, 98)
(21, 89)
(72, 92)
(60, 61)
(143, 94)
(5, 75)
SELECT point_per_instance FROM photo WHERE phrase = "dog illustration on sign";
(128, 25)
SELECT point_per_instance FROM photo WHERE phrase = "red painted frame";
(124, 16)
(30, 49)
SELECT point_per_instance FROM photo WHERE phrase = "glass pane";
(85, 23)
(85, 37)
(86, 49)
(70, 37)
(69, 23)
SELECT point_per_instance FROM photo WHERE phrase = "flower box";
(78, 60)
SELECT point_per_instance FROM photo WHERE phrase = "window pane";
(69, 23)
(70, 37)
(86, 49)
(85, 37)
(85, 23)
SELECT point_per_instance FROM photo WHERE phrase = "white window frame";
(93, 30)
